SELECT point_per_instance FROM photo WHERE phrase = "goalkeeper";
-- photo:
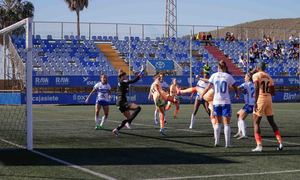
(122, 102)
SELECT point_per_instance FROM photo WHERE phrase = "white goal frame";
(28, 26)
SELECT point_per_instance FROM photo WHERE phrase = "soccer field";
(67, 133)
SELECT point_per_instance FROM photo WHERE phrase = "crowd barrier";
(138, 97)
(86, 81)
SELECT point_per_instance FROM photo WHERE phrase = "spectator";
(252, 56)
(243, 60)
(232, 37)
(292, 39)
(267, 53)
(227, 36)
(255, 51)
(203, 37)
(267, 40)
(199, 36)
(283, 50)
(208, 39)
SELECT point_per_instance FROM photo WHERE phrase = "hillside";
(276, 28)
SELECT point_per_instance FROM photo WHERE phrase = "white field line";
(227, 175)
(68, 164)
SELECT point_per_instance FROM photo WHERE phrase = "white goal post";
(28, 27)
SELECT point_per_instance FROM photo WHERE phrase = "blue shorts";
(222, 110)
(102, 103)
(248, 108)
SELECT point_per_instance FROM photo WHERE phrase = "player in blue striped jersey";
(103, 97)
(202, 84)
(248, 90)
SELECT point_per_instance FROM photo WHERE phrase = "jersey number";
(265, 86)
(221, 86)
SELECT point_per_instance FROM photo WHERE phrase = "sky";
(189, 12)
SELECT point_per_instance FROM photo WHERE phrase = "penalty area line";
(68, 164)
(227, 175)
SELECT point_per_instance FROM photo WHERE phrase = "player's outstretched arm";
(87, 99)
(138, 77)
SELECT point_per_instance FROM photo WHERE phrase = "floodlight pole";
(29, 83)
(171, 18)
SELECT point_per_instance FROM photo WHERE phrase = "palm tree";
(77, 5)
(12, 11)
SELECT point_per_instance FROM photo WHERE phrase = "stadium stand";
(284, 62)
(68, 56)
(104, 54)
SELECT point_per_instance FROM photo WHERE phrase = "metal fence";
(89, 29)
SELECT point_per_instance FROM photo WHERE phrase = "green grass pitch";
(67, 133)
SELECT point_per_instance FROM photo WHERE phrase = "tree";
(12, 11)
(77, 6)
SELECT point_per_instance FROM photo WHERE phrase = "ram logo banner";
(278, 80)
(183, 81)
(62, 81)
(41, 81)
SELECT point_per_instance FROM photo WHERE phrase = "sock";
(122, 124)
(155, 115)
(239, 126)
(278, 136)
(227, 133)
(176, 112)
(212, 120)
(192, 120)
(217, 131)
(134, 114)
(243, 127)
(97, 120)
(162, 122)
(103, 120)
(258, 138)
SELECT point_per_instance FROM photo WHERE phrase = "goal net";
(16, 85)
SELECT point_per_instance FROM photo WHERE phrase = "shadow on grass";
(163, 138)
(108, 156)
(13, 176)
